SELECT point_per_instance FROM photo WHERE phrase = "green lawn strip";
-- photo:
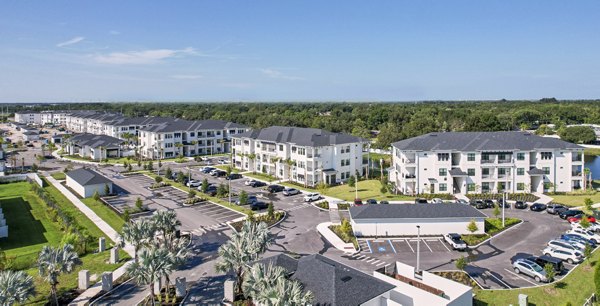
(591, 151)
(95, 263)
(77, 158)
(376, 157)
(105, 213)
(368, 189)
(298, 186)
(200, 194)
(261, 176)
(224, 167)
(574, 199)
(574, 289)
(59, 176)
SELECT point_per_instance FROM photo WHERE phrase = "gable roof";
(95, 141)
(175, 125)
(299, 136)
(333, 283)
(86, 177)
(482, 141)
(415, 211)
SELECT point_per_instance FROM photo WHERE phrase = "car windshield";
(536, 268)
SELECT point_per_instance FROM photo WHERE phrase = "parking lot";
(405, 245)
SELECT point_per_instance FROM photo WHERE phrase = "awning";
(457, 172)
(536, 172)
(329, 171)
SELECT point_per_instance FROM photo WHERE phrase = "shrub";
(169, 173)
(158, 179)
(139, 203)
(96, 195)
(472, 227)
(351, 181)
(191, 194)
(550, 272)
(270, 211)
(461, 263)
(243, 197)
(205, 186)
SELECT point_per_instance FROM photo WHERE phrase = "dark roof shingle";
(85, 177)
(300, 136)
(415, 211)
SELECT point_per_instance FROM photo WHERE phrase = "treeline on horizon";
(393, 121)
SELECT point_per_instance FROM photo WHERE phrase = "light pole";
(356, 186)
(418, 247)
(189, 178)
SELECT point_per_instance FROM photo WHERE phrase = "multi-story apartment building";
(28, 117)
(474, 162)
(178, 137)
(303, 155)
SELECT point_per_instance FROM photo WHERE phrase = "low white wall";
(338, 243)
(407, 227)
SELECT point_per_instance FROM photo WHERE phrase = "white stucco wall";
(408, 227)
(87, 191)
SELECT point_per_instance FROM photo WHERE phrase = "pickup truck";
(455, 241)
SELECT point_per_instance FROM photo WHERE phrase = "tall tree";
(152, 264)
(52, 262)
(138, 233)
(15, 287)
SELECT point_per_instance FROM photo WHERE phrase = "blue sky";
(298, 50)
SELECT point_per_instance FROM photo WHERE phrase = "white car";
(311, 197)
(248, 182)
(455, 241)
(563, 245)
(437, 201)
(571, 257)
(193, 183)
(587, 234)
(593, 226)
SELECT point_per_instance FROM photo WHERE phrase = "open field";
(105, 213)
(368, 189)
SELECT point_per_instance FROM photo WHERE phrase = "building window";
(301, 151)
(501, 171)
(280, 147)
(485, 157)
(443, 156)
(294, 149)
(546, 170)
(443, 187)
(520, 171)
(520, 156)
(443, 172)
(471, 187)
(471, 157)
(471, 172)
(192, 134)
(343, 175)
(485, 187)
(485, 171)
(520, 186)
(546, 155)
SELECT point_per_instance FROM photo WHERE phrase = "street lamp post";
(189, 178)
(418, 247)
(356, 186)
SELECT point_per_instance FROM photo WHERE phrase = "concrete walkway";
(85, 297)
(544, 199)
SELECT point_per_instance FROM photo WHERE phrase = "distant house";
(85, 182)
(95, 147)
(31, 136)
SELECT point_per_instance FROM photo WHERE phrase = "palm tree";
(179, 251)
(261, 277)
(284, 292)
(138, 233)
(179, 147)
(243, 247)
(15, 287)
(52, 262)
(153, 264)
(289, 162)
(167, 223)
(252, 157)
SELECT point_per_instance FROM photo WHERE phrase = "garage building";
(402, 219)
(85, 182)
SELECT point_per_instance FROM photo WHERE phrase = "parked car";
(258, 205)
(384, 202)
(290, 191)
(501, 203)
(420, 201)
(250, 181)
(554, 209)
(593, 226)
(530, 268)
(233, 176)
(371, 201)
(358, 202)
(520, 205)
(537, 207)
(275, 188)
(207, 169)
(545, 259)
(569, 256)
(437, 201)
(251, 199)
(455, 241)
(223, 161)
(563, 245)
(577, 218)
(212, 191)
(257, 184)
(461, 201)
(220, 173)
(578, 240)
(214, 171)
(587, 234)
(312, 197)
(489, 203)
(193, 183)
(479, 204)
(569, 213)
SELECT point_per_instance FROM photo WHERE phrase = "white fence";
(22, 177)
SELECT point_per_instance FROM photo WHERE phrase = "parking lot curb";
(261, 214)
(492, 237)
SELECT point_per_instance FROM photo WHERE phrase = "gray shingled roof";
(95, 141)
(281, 260)
(177, 124)
(415, 211)
(86, 177)
(482, 141)
(300, 136)
(333, 283)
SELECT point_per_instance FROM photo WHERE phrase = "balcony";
(575, 173)
(576, 159)
(409, 161)
(488, 161)
(505, 161)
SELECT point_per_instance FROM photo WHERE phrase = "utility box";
(523, 299)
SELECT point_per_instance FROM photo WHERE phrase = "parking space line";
(369, 245)
(411, 248)
(376, 262)
(371, 260)
(381, 263)
(519, 276)
(444, 244)
(499, 280)
(360, 257)
(393, 249)
(427, 245)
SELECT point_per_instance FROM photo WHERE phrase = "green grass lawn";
(591, 151)
(224, 167)
(368, 189)
(59, 176)
(575, 288)
(105, 213)
(260, 176)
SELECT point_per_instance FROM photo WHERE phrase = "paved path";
(84, 298)
(544, 199)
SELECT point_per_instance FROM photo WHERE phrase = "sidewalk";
(84, 298)
(544, 199)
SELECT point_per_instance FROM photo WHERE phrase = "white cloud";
(186, 76)
(141, 57)
(276, 74)
(70, 41)
(113, 32)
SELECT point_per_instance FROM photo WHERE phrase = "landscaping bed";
(261, 176)
(344, 232)
(493, 226)
(270, 221)
(458, 276)
(525, 197)
(59, 176)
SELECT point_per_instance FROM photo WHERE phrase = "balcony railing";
(577, 159)
(504, 161)
(409, 161)
(487, 161)
(575, 173)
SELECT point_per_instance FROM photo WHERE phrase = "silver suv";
(530, 268)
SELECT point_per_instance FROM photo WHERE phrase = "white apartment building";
(476, 162)
(304, 155)
(178, 137)
(28, 117)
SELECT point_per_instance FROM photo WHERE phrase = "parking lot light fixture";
(418, 248)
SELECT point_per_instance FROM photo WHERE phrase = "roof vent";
(346, 278)
(433, 135)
